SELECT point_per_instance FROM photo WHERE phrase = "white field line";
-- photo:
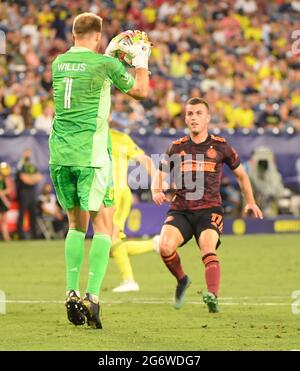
(231, 301)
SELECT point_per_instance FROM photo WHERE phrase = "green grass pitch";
(259, 275)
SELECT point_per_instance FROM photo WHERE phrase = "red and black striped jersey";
(196, 171)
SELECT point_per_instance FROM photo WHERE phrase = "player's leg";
(23, 204)
(74, 253)
(4, 226)
(121, 252)
(74, 245)
(175, 232)
(64, 181)
(123, 202)
(92, 187)
(32, 216)
(99, 252)
(98, 262)
(140, 247)
(208, 242)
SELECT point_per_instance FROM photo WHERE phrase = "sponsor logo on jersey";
(193, 165)
(211, 153)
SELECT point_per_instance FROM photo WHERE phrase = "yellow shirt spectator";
(179, 64)
(196, 21)
(174, 108)
(36, 109)
(150, 14)
(295, 99)
(45, 17)
(242, 117)
(243, 19)
(10, 100)
(253, 33)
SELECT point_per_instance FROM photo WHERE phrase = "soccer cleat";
(91, 311)
(212, 302)
(73, 304)
(127, 286)
(181, 288)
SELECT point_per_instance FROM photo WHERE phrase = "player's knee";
(79, 226)
(102, 226)
(166, 247)
(208, 249)
(102, 229)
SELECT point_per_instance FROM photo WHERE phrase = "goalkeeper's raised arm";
(135, 49)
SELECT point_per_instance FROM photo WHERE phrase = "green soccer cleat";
(212, 302)
(181, 288)
(91, 311)
(73, 304)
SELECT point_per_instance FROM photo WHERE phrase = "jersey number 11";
(68, 91)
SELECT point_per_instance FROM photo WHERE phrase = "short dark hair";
(86, 23)
(197, 100)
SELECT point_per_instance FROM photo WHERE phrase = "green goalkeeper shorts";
(109, 197)
(87, 187)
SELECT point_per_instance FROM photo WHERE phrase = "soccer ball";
(129, 38)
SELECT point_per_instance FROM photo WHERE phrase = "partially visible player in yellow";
(123, 150)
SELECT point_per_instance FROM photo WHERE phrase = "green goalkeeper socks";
(98, 261)
(74, 251)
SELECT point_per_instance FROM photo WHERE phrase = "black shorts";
(3, 207)
(192, 223)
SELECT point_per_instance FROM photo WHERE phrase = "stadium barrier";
(146, 219)
(285, 145)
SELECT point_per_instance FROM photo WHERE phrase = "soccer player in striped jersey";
(196, 208)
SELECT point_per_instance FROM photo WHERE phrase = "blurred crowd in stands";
(238, 54)
(36, 204)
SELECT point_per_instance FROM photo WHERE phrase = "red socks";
(173, 264)
(212, 272)
(212, 269)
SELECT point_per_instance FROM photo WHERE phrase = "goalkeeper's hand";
(115, 45)
(138, 47)
(141, 54)
(133, 43)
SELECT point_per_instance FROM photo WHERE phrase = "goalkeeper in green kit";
(80, 164)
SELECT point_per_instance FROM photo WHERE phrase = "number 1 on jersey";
(68, 92)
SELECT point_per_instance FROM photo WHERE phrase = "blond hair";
(86, 23)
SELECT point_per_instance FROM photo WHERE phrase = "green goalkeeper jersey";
(81, 87)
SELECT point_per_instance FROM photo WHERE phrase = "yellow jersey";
(123, 150)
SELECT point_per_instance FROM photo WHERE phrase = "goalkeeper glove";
(133, 43)
(140, 54)
(138, 47)
(114, 44)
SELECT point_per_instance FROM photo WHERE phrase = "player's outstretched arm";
(246, 188)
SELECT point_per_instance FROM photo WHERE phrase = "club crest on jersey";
(211, 153)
